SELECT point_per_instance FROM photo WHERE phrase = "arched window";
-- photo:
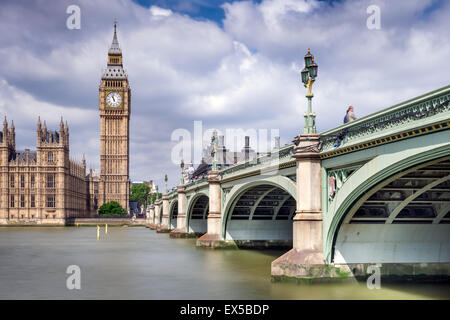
(50, 157)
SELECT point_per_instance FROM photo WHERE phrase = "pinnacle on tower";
(39, 123)
(115, 48)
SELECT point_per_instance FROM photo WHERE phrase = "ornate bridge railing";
(277, 159)
(197, 184)
(420, 115)
(173, 194)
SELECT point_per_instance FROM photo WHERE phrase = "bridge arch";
(173, 214)
(197, 212)
(375, 218)
(260, 210)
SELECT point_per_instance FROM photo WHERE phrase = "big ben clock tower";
(115, 108)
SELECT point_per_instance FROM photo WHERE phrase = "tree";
(154, 196)
(140, 193)
(111, 208)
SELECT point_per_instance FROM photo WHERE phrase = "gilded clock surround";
(107, 106)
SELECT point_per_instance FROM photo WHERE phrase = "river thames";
(138, 263)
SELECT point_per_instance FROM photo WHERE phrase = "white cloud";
(17, 102)
(158, 11)
(275, 10)
(24, 109)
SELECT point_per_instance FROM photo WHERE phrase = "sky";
(229, 64)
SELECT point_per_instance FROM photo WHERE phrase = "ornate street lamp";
(182, 172)
(165, 180)
(309, 58)
(214, 152)
(305, 75)
(308, 76)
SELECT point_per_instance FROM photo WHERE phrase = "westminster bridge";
(375, 190)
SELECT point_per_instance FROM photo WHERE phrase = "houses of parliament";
(46, 186)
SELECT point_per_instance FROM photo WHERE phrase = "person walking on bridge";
(350, 115)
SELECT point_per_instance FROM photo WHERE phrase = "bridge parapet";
(428, 112)
(197, 184)
(172, 195)
(277, 159)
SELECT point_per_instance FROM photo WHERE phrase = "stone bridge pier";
(164, 227)
(213, 235)
(151, 223)
(181, 230)
(158, 213)
(307, 226)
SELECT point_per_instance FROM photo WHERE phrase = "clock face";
(114, 99)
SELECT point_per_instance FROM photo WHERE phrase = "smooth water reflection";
(138, 263)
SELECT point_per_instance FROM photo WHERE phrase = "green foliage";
(111, 208)
(154, 195)
(140, 193)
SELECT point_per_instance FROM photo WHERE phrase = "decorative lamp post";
(214, 152)
(165, 180)
(308, 75)
(182, 172)
(157, 193)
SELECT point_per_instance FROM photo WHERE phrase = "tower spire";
(115, 48)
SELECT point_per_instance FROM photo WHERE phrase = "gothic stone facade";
(44, 186)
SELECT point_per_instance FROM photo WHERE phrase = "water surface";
(138, 263)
